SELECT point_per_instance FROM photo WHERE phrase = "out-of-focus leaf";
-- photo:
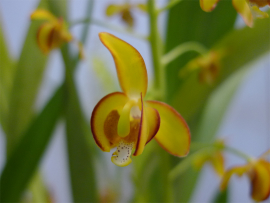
(217, 106)
(24, 159)
(221, 196)
(188, 22)
(6, 77)
(81, 166)
(240, 47)
(27, 78)
(210, 121)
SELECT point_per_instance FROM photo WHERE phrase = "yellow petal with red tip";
(239, 170)
(43, 36)
(260, 180)
(149, 126)
(129, 64)
(105, 118)
(173, 134)
(41, 14)
(208, 5)
(242, 7)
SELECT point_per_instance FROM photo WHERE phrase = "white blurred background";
(246, 125)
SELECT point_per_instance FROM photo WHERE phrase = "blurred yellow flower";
(258, 172)
(208, 66)
(215, 158)
(124, 120)
(52, 33)
(124, 10)
(248, 9)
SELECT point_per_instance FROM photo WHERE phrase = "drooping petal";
(173, 134)
(257, 13)
(208, 5)
(104, 120)
(149, 126)
(41, 14)
(242, 7)
(43, 37)
(129, 64)
(218, 163)
(260, 180)
(239, 170)
(114, 9)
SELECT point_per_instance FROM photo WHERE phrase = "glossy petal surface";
(149, 126)
(42, 14)
(173, 134)
(260, 180)
(129, 64)
(208, 5)
(104, 120)
(241, 6)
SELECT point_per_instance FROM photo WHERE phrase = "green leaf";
(221, 196)
(188, 22)
(6, 77)
(26, 82)
(240, 47)
(23, 161)
(81, 166)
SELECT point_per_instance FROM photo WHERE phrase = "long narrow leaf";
(26, 82)
(24, 160)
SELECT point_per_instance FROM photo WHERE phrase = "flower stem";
(181, 49)
(238, 153)
(171, 4)
(109, 26)
(156, 48)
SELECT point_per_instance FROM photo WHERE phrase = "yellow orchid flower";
(216, 159)
(124, 10)
(248, 9)
(208, 66)
(124, 120)
(258, 172)
(53, 33)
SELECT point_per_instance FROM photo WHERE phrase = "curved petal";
(129, 64)
(104, 120)
(149, 126)
(239, 170)
(260, 180)
(41, 14)
(114, 9)
(241, 6)
(173, 134)
(208, 5)
(43, 36)
(218, 163)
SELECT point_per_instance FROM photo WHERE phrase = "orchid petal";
(208, 5)
(149, 126)
(43, 36)
(41, 14)
(239, 170)
(173, 134)
(129, 63)
(257, 13)
(242, 7)
(260, 180)
(114, 9)
(218, 163)
(105, 118)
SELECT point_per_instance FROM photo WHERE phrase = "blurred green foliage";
(203, 106)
